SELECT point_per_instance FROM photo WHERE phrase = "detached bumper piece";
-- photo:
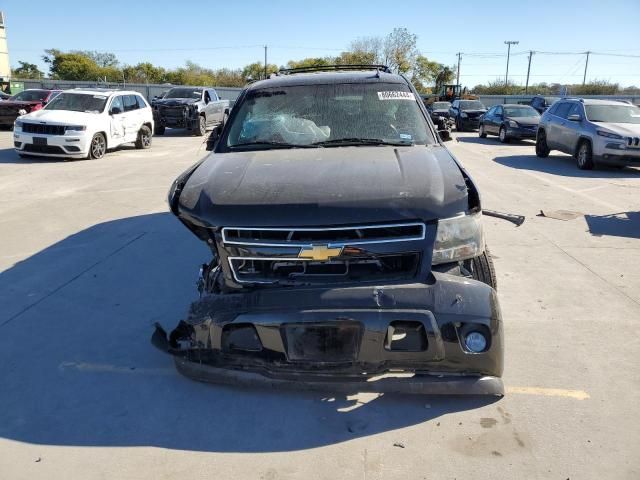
(440, 338)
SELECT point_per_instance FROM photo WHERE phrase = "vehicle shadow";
(563, 166)
(623, 224)
(490, 140)
(78, 368)
(9, 155)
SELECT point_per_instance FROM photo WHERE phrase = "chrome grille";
(324, 255)
(291, 237)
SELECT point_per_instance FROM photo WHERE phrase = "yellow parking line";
(549, 392)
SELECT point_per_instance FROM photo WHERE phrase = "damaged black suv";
(347, 242)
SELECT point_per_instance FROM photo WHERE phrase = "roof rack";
(333, 68)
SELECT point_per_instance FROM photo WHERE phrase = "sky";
(232, 34)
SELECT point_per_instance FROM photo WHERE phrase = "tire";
(542, 149)
(98, 147)
(504, 138)
(144, 138)
(160, 130)
(201, 127)
(481, 132)
(482, 269)
(584, 156)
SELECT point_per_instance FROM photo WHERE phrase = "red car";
(23, 103)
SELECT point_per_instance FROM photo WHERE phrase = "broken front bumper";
(393, 338)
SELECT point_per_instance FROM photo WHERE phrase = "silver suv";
(593, 131)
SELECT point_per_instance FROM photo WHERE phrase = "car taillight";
(37, 106)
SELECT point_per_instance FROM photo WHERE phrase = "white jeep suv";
(84, 123)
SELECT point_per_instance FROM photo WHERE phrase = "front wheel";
(482, 269)
(584, 157)
(144, 138)
(481, 131)
(542, 149)
(504, 138)
(98, 147)
(201, 126)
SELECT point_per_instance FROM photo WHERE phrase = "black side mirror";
(214, 136)
(115, 111)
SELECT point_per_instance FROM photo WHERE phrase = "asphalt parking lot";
(90, 260)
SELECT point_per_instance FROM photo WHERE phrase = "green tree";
(27, 70)
(71, 66)
(102, 59)
(144, 73)
(400, 50)
(311, 62)
(255, 71)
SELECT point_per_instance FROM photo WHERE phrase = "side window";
(130, 103)
(499, 110)
(214, 95)
(576, 109)
(141, 102)
(117, 103)
(562, 110)
(455, 104)
(207, 97)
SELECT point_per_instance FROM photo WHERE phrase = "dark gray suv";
(593, 131)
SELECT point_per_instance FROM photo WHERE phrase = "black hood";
(175, 102)
(323, 186)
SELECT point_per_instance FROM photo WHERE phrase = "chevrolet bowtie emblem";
(320, 252)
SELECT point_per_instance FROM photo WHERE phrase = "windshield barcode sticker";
(395, 95)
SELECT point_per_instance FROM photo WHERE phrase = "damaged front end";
(175, 114)
(411, 338)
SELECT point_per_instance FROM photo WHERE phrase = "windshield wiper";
(361, 141)
(271, 144)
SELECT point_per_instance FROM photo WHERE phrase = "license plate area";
(337, 342)
(39, 140)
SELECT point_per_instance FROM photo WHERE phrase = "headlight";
(463, 115)
(75, 128)
(18, 124)
(513, 124)
(602, 133)
(458, 238)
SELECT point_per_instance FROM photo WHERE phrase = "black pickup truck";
(346, 241)
(193, 108)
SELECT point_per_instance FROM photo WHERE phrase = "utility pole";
(584, 79)
(508, 43)
(526, 87)
(265, 61)
(459, 54)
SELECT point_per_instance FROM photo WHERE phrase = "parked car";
(22, 103)
(84, 123)
(439, 109)
(193, 108)
(466, 114)
(509, 121)
(342, 248)
(593, 131)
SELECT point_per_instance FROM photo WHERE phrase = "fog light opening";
(476, 342)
